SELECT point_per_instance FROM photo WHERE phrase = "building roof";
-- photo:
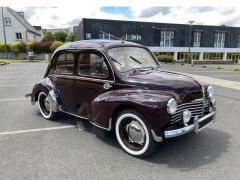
(39, 28)
(23, 21)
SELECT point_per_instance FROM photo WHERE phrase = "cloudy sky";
(58, 15)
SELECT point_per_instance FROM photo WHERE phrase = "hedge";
(36, 47)
(165, 58)
(55, 45)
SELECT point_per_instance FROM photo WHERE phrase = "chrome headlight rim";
(210, 91)
(171, 106)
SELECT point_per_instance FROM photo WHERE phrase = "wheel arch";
(117, 110)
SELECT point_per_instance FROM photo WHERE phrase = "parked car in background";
(120, 86)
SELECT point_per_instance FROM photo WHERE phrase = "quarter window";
(65, 63)
(92, 64)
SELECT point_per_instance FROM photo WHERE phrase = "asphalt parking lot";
(34, 148)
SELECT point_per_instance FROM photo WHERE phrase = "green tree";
(69, 38)
(48, 36)
(60, 36)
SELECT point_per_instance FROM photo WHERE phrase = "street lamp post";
(189, 40)
(4, 35)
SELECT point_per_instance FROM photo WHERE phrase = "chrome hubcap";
(135, 132)
(46, 104)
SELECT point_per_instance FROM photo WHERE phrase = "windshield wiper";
(114, 60)
(135, 60)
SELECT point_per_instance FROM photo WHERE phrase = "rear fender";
(47, 86)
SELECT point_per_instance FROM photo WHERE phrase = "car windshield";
(128, 58)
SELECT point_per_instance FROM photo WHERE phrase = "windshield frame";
(141, 47)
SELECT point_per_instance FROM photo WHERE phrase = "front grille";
(196, 108)
(205, 101)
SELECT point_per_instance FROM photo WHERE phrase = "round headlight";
(210, 91)
(171, 106)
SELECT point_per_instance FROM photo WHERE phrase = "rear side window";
(65, 63)
(92, 64)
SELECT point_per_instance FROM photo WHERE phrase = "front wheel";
(133, 134)
(45, 106)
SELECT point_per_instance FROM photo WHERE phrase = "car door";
(64, 79)
(94, 78)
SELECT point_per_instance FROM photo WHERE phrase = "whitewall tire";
(44, 106)
(133, 134)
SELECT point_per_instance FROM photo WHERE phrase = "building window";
(238, 40)
(104, 36)
(139, 37)
(213, 56)
(197, 39)
(167, 38)
(88, 36)
(219, 39)
(133, 37)
(18, 36)
(7, 22)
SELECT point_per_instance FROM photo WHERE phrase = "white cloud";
(55, 13)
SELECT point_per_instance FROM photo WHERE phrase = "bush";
(22, 47)
(14, 47)
(2, 47)
(165, 58)
(28, 46)
(69, 38)
(55, 45)
(41, 47)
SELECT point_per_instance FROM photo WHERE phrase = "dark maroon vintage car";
(120, 86)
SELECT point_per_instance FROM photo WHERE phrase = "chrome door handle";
(107, 86)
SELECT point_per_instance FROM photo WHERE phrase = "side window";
(65, 63)
(92, 64)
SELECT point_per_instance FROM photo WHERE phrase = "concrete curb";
(3, 63)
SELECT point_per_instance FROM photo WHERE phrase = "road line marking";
(215, 81)
(13, 85)
(36, 130)
(16, 99)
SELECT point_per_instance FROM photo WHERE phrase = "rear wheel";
(133, 134)
(45, 106)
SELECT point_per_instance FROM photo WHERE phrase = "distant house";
(17, 28)
(66, 30)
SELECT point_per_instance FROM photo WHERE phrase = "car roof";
(96, 44)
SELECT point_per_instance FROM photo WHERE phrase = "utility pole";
(4, 35)
(189, 40)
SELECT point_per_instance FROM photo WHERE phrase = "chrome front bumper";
(196, 126)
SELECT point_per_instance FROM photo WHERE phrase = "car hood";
(182, 87)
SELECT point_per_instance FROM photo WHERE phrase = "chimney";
(21, 13)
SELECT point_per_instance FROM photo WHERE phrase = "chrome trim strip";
(109, 126)
(155, 137)
(75, 115)
(92, 79)
(192, 127)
